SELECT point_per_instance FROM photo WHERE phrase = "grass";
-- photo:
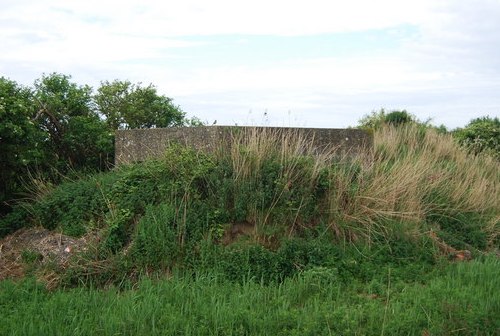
(418, 176)
(334, 243)
(461, 300)
(270, 178)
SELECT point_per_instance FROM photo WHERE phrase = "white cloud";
(278, 17)
(188, 17)
(449, 64)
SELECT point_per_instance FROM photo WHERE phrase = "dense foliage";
(170, 208)
(481, 135)
(127, 105)
(76, 136)
(378, 119)
(268, 235)
(22, 143)
(264, 235)
(57, 126)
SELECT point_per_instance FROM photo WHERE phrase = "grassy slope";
(336, 244)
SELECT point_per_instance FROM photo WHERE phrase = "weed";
(462, 299)
(30, 256)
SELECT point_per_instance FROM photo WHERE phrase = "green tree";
(21, 142)
(76, 135)
(398, 117)
(58, 125)
(126, 105)
(481, 135)
(378, 118)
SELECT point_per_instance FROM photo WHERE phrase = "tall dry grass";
(300, 161)
(250, 147)
(411, 172)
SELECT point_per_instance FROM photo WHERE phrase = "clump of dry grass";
(427, 162)
(250, 147)
(411, 172)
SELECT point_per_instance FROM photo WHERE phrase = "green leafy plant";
(481, 135)
(58, 127)
(126, 105)
(398, 117)
(157, 242)
(117, 235)
(30, 257)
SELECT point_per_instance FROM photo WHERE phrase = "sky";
(315, 63)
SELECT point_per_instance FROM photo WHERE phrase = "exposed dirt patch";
(245, 230)
(447, 250)
(37, 245)
(238, 230)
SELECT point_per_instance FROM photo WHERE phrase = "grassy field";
(268, 237)
(463, 299)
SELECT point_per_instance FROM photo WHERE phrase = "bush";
(117, 232)
(481, 135)
(156, 243)
(398, 117)
(71, 206)
(377, 119)
(14, 220)
(58, 126)
(177, 211)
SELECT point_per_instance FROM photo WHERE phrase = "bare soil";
(46, 246)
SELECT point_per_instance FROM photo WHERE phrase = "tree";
(481, 135)
(398, 118)
(21, 142)
(126, 105)
(58, 125)
(76, 135)
(379, 118)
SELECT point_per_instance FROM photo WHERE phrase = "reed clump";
(413, 175)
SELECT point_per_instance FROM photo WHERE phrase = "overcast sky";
(315, 63)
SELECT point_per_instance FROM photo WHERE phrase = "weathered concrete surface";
(141, 144)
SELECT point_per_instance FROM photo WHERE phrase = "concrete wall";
(141, 144)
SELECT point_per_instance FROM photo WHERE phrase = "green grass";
(463, 299)
(336, 245)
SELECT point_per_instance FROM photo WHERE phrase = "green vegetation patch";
(463, 299)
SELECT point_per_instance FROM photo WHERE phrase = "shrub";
(377, 119)
(398, 118)
(69, 207)
(14, 220)
(481, 135)
(117, 223)
(156, 242)
(369, 210)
